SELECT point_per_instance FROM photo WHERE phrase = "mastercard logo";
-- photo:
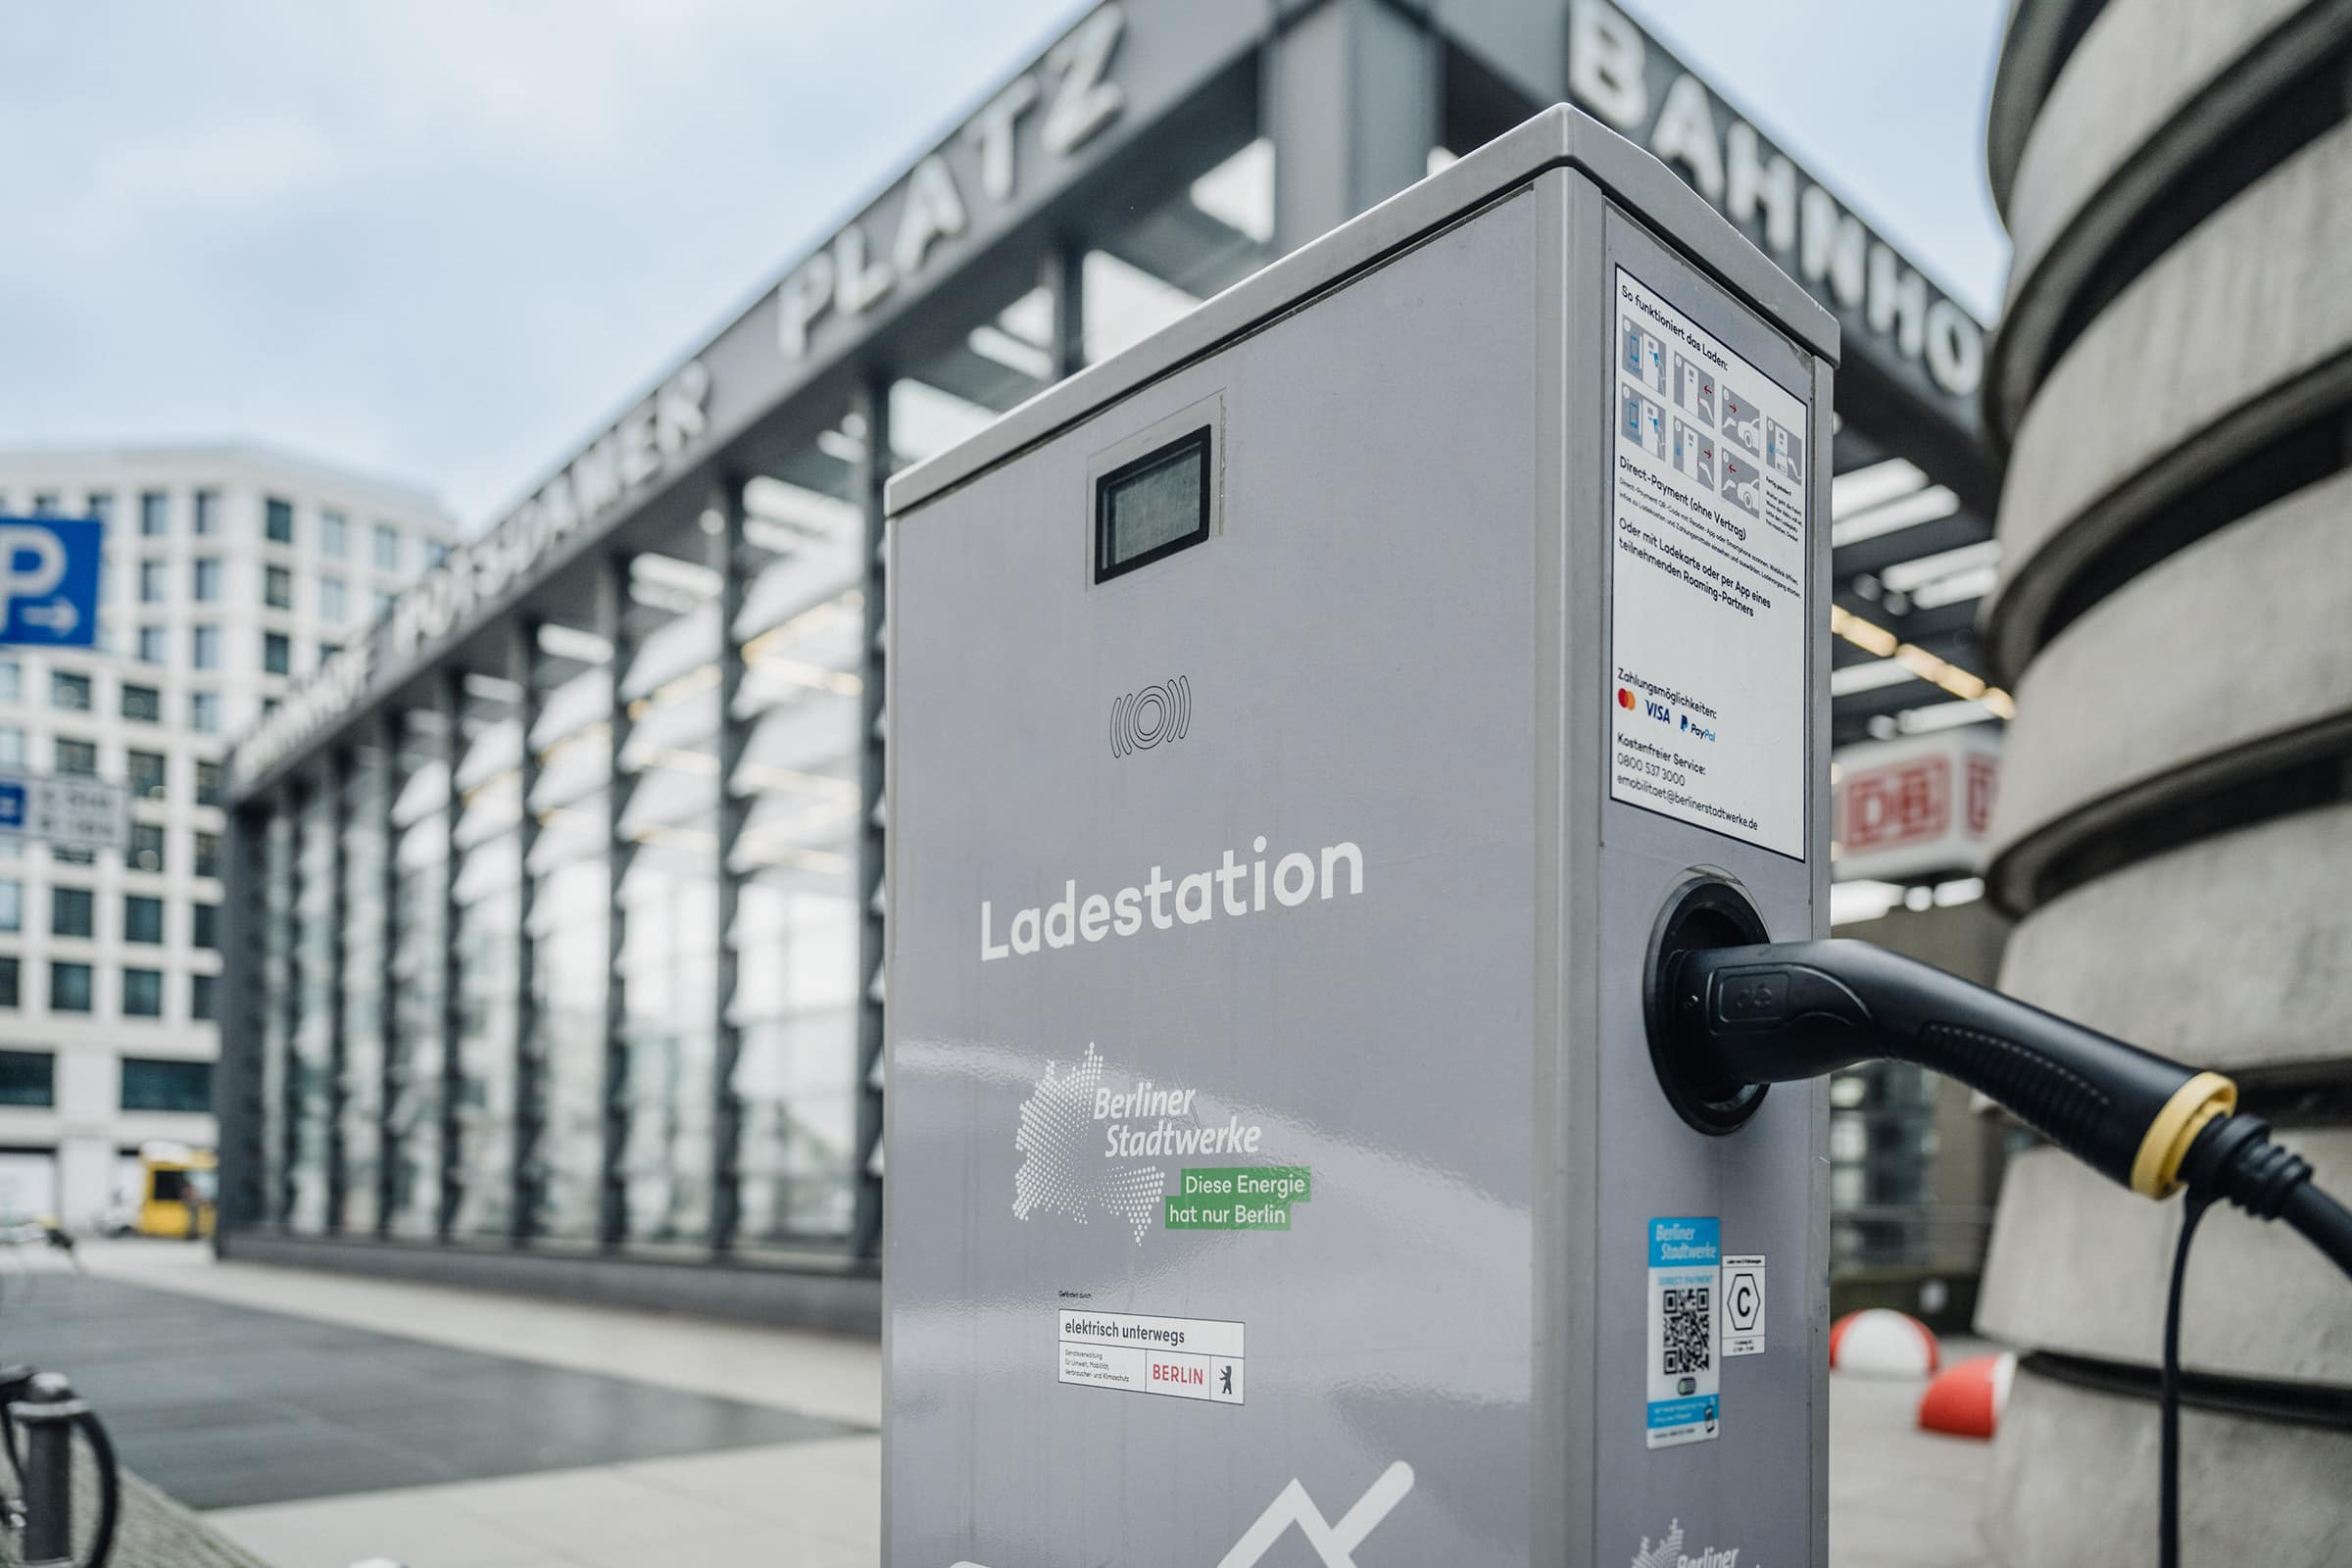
(1625, 697)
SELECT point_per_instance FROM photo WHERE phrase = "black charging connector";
(1773, 1013)
(1727, 1017)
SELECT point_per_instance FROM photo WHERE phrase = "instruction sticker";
(1744, 1305)
(1181, 1357)
(1707, 580)
(1683, 1342)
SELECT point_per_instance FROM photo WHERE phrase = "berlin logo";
(1141, 720)
(1074, 1122)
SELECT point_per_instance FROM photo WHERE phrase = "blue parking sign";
(49, 580)
(12, 808)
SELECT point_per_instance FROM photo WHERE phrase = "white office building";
(231, 573)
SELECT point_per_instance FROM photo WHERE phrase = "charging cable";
(1724, 1019)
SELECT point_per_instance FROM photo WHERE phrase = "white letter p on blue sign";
(49, 580)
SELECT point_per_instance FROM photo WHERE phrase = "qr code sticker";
(1689, 1316)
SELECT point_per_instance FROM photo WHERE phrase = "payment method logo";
(1650, 705)
(1696, 731)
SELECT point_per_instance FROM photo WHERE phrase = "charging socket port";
(1702, 912)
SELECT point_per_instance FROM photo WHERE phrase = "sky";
(443, 241)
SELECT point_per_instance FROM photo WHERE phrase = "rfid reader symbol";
(1141, 720)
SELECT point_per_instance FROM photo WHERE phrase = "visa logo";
(1657, 710)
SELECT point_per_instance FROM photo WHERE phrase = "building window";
(208, 783)
(62, 855)
(277, 520)
(155, 513)
(146, 847)
(146, 770)
(155, 644)
(11, 680)
(149, 1085)
(387, 548)
(69, 988)
(334, 535)
(11, 746)
(382, 600)
(7, 983)
(77, 759)
(142, 918)
(12, 905)
(207, 925)
(207, 512)
(328, 651)
(204, 650)
(277, 588)
(201, 1000)
(207, 586)
(70, 912)
(68, 691)
(204, 712)
(277, 653)
(142, 992)
(45, 503)
(27, 1078)
(100, 505)
(208, 855)
(155, 582)
(142, 703)
(331, 606)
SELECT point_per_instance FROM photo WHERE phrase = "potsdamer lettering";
(1235, 888)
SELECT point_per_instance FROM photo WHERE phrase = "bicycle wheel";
(95, 1488)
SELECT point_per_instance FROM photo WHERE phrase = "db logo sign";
(1894, 806)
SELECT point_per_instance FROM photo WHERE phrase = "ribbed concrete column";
(2174, 833)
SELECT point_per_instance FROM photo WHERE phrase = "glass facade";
(309, 1075)
(576, 956)
(486, 939)
(666, 962)
(366, 865)
(794, 937)
(418, 972)
(569, 872)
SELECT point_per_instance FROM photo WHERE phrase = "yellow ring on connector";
(2156, 1169)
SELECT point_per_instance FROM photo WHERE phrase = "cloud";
(226, 173)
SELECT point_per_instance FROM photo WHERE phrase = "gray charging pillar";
(1298, 725)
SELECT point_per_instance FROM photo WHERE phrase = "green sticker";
(1237, 1197)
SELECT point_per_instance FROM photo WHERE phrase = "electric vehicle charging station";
(1300, 725)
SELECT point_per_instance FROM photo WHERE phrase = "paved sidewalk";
(155, 1531)
(1898, 1498)
(808, 1504)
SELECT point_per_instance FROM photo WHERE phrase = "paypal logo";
(1696, 731)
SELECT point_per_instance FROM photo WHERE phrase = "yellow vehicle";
(177, 1188)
